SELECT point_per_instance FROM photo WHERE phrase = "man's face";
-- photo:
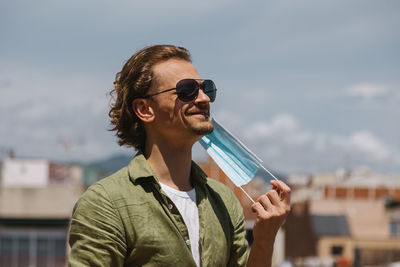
(174, 117)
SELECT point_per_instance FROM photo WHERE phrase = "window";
(32, 248)
(394, 228)
(336, 250)
(6, 250)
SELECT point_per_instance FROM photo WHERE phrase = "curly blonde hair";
(134, 81)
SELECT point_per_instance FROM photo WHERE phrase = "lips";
(204, 113)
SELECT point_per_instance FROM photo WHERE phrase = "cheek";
(179, 108)
(181, 112)
(171, 111)
(170, 114)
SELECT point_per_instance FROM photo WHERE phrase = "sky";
(309, 86)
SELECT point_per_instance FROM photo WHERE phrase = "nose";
(202, 97)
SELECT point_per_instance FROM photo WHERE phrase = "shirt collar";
(197, 174)
(139, 168)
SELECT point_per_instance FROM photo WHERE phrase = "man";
(162, 210)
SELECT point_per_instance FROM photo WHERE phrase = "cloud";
(363, 144)
(43, 106)
(33, 91)
(286, 145)
(367, 91)
(366, 142)
(282, 123)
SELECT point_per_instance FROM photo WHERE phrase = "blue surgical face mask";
(231, 155)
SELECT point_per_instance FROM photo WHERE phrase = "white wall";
(25, 173)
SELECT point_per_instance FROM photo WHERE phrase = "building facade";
(36, 202)
(351, 218)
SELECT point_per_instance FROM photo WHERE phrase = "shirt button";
(170, 206)
(188, 242)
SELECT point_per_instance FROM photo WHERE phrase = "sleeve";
(96, 234)
(239, 249)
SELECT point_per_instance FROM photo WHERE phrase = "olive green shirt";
(127, 220)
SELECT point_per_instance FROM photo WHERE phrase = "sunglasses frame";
(199, 86)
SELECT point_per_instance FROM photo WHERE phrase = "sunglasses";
(188, 89)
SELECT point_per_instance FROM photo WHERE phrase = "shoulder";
(125, 180)
(111, 184)
(114, 182)
(220, 188)
(107, 189)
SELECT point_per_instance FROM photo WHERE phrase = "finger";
(265, 202)
(283, 189)
(258, 208)
(280, 185)
(274, 197)
(277, 190)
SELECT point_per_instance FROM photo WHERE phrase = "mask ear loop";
(265, 169)
(249, 197)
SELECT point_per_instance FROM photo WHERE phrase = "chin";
(202, 128)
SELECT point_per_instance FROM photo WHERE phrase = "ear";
(143, 110)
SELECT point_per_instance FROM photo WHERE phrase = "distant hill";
(113, 163)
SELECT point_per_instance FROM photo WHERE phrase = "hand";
(272, 209)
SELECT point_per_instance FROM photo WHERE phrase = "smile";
(205, 114)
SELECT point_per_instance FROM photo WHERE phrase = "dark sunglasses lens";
(187, 89)
(209, 89)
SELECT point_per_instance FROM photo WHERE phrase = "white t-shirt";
(185, 201)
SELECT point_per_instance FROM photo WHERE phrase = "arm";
(96, 232)
(271, 210)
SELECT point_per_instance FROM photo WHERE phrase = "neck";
(171, 163)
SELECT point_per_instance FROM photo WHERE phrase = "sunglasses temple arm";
(146, 96)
